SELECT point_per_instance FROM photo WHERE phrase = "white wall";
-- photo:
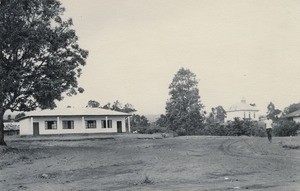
(296, 119)
(241, 114)
(26, 127)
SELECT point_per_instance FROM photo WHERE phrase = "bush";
(285, 127)
(234, 128)
(149, 129)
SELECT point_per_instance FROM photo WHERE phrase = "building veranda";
(74, 121)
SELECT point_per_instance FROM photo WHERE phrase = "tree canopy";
(93, 104)
(183, 109)
(273, 112)
(217, 115)
(40, 58)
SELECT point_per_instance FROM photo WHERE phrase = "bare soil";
(149, 162)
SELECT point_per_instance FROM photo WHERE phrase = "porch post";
(106, 122)
(128, 123)
(57, 123)
(31, 124)
(82, 122)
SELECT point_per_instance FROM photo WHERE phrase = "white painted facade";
(295, 116)
(103, 121)
(296, 119)
(242, 110)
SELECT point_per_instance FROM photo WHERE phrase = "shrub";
(285, 127)
(258, 129)
(234, 128)
(149, 129)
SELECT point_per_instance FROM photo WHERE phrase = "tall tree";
(117, 106)
(107, 106)
(273, 112)
(183, 109)
(217, 115)
(162, 121)
(220, 114)
(40, 58)
(139, 121)
(128, 108)
(93, 104)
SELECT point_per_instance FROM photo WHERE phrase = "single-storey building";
(11, 128)
(74, 121)
(242, 110)
(295, 116)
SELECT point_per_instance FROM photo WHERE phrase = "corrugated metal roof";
(74, 112)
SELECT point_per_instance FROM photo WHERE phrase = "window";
(68, 124)
(51, 124)
(109, 123)
(91, 124)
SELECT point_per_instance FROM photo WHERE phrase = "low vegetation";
(237, 127)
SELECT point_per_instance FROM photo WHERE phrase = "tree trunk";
(2, 142)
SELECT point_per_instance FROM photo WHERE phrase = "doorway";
(36, 129)
(119, 126)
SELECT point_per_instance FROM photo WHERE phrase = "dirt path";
(135, 162)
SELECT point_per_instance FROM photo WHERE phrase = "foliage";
(128, 108)
(139, 121)
(235, 128)
(183, 109)
(284, 127)
(162, 121)
(93, 104)
(40, 58)
(117, 106)
(273, 112)
(217, 115)
(291, 108)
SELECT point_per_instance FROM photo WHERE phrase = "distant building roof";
(242, 106)
(74, 112)
(294, 114)
(11, 126)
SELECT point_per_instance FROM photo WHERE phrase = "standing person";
(269, 126)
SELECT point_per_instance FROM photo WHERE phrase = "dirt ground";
(150, 162)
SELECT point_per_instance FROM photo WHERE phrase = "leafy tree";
(286, 127)
(220, 114)
(107, 106)
(273, 112)
(217, 115)
(139, 121)
(291, 108)
(93, 104)
(128, 108)
(116, 106)
(40, 58)
(183, 109)
(162, 121)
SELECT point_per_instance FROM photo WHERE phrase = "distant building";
(242, 110)
(295, 116)
(74, 121)
(11, 128)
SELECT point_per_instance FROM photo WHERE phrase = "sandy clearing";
(124, 162)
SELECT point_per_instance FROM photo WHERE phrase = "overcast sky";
(248, 48)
